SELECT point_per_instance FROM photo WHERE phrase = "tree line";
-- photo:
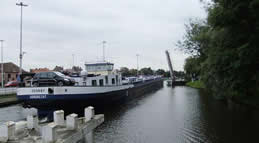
(126, 72)
(224, 48)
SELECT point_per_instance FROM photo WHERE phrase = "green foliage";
(160, 72)
(225, 48)
(146, 71)
(196, 84)
(192, 67)
(126, 72)
(77, 69)
(133, 72)
(196, 39)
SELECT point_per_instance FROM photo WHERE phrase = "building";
(103, 68)
(37, 70)
(11, 72)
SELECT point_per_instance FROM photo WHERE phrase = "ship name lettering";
(38, 90)
(38, 97)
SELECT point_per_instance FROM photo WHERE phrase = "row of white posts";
(71, 130)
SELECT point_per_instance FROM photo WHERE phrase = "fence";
(5, 91)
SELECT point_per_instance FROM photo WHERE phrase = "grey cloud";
(54, 30)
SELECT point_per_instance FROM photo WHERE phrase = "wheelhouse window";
(101, 82)
(106, 79)
(94, 83)
(113, 81)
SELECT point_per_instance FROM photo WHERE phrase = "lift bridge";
(172, 81)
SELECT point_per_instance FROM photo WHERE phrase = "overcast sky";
(53, 30)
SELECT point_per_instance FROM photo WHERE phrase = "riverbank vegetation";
(196, 84)
(6, 100)
(126, 72)
(224, 49)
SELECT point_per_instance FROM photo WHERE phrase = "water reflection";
(178, 114)
(15, 113)
(169, 115)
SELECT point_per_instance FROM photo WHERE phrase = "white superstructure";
(99, 74)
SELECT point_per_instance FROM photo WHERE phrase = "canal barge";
(98, 85)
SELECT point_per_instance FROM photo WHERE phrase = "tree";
(192, 68)
(225, 46)
(124, 71)
(160, 72)
(133, 72)
(146, 71)
(233, 60)
(77, 69)
(195, 42)
(196, 38)
(58, 68)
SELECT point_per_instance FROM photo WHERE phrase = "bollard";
(72, 121)
(59, 118)
(7, 131)
(20, 126)
(89, 113)
(32, 122)
(49, 133)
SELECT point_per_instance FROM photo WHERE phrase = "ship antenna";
(104, 42)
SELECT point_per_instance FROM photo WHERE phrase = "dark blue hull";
(80, 101)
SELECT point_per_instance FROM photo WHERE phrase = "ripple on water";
(14, 113)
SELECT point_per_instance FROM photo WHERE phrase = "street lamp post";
(2, 65)
(137, 64)
(73, 64)
(21, 53)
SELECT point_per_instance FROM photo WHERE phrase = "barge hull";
(68, 101)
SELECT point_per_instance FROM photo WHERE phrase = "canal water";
(170, 115)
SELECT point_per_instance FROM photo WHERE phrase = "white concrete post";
(72, 122)
(32, 122)
(59, 117)
(89, 113)
(89, 138)
(49, 133)
(7, 131)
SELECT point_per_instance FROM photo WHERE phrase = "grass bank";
(195, 84)
(249, 101)
(6, 100)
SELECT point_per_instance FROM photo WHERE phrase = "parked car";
(11, 84)
(51, 79)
